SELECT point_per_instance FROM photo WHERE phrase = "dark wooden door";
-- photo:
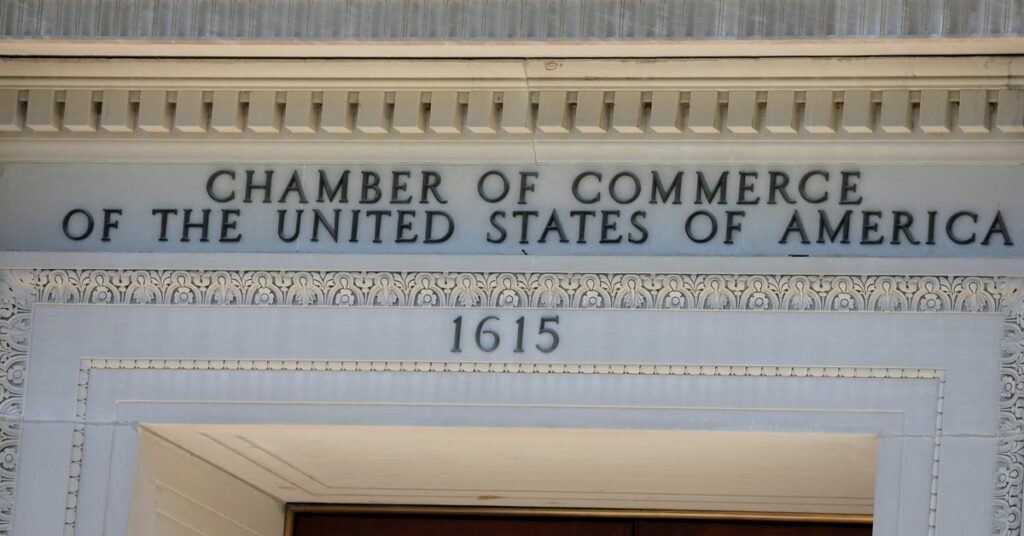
(332, 524)
(728, 528)
(368, 525)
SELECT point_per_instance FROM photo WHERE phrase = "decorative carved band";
(21, 289)
(454, 115)
(513, 289)
(1010, 461)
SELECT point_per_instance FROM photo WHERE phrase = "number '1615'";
(487, 338)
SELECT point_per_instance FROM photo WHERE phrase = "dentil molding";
(789, 99)
(453, 114)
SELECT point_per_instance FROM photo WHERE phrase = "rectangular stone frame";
(905, 294)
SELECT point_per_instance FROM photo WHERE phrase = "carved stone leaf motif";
(798, 294)
(467, 290)
(17, 294)
(20, 289)
(548, 291)
(1010, 460)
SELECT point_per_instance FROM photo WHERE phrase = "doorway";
(578, 523)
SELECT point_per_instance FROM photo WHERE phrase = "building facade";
(709, 259)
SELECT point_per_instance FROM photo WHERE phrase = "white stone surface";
(566, 467)
(924, 354)
(623, 400)
(175, 492)
(596, 209)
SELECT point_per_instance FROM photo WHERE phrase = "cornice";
(660, 49)
(509, 115)
(999, 71)
(566, 104)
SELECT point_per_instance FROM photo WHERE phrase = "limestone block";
(154, 111)
(42, 111)
(705, 113)
(626, 113)
(665, 117)
(79, 112)
(780, 113)
(481, 113)
(264, 113)
(226, 116)
(116, 113)
(935, 111)
(1010, 111)
(553, 112)
(741, 114)
(9, 110)
(591, 112)
(896, 111)
(858, 112)
(445, 112)
(298, 112)
(516, 112)
(973, 116)
(336, 113)
(371, 115)
(408, 114)
(190, 112)
(820, 112)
